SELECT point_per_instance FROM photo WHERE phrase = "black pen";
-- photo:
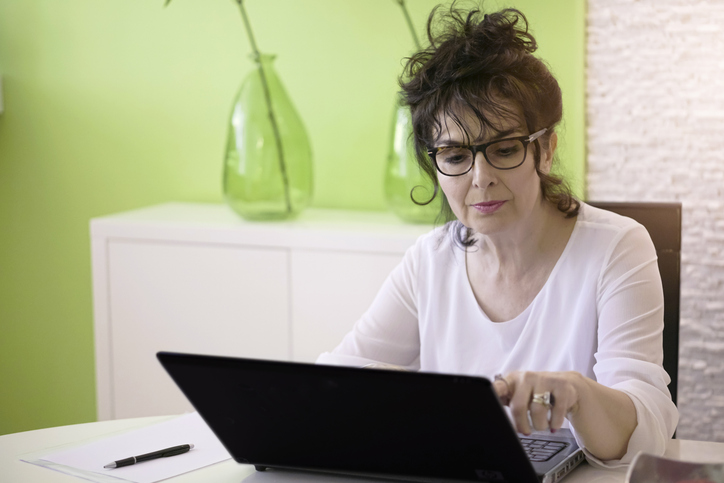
(163, 453)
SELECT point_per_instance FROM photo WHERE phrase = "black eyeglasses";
(506, 153)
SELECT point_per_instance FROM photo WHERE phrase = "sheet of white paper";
(186, 429)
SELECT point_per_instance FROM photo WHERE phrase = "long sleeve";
(630, 307)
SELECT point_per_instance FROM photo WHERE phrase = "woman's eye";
(455, 159)
(454, 156)
(506, 149)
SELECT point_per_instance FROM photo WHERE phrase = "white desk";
(14, 445)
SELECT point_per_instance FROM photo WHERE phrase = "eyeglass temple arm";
(536, 135)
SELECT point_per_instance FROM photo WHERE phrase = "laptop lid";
(392, 424)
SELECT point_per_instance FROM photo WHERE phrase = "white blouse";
(599, 313)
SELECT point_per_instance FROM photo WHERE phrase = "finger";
(522, 391)
(502, 389)
(559, 410)
(558, 415)
(565, 400)
(539, 414)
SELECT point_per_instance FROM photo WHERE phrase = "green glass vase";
(268, 166)
(403, 176)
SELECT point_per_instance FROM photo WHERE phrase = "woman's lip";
(488, 206)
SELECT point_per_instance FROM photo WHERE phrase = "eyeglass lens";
(505, 154)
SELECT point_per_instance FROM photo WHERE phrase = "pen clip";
(177, 450)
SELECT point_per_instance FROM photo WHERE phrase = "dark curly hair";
(475, 63)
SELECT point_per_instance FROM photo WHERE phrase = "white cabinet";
(195, 278)
(330, 290)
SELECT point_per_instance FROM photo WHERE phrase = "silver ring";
(543, 398)
(499, 377)
(506, 398)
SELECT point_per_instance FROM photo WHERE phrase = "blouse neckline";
(524, 314)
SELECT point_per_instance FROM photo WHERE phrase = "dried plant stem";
(267, 98)
(409, 23)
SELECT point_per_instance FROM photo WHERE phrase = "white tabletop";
(13, 446)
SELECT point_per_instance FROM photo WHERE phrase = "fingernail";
(553, 430)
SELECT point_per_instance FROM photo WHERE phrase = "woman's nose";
(484, 175)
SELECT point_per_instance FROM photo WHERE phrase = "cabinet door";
(330, 291)
(207, 299)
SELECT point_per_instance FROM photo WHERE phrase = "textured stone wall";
(655, 107)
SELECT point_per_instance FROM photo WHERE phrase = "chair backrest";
(663, 222)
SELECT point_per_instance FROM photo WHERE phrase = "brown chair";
(663, 222)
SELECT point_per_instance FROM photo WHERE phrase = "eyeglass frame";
(481, 148)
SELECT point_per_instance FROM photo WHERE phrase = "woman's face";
(491, 201)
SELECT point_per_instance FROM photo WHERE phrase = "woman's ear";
(546, 161)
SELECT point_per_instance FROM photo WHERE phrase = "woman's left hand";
(527, 392)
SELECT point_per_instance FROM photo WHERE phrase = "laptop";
(404, 426)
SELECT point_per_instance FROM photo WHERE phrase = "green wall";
(117, 104)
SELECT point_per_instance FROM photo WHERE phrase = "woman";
(562, 299)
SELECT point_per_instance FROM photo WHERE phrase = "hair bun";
(500, 31)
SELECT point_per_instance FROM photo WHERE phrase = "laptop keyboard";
(539, 450)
